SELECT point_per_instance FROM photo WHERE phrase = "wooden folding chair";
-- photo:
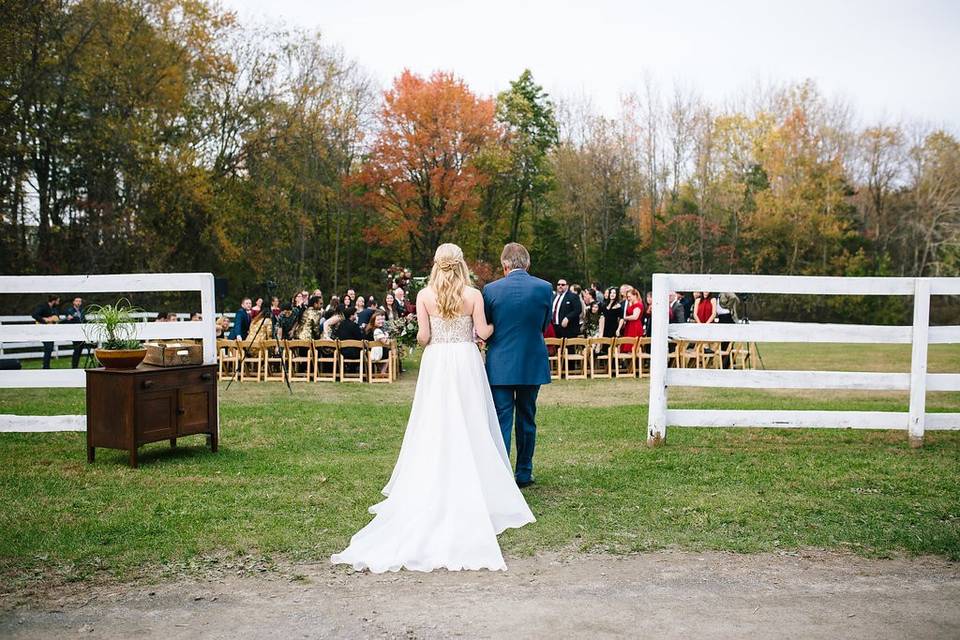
(643, 356)
(374, 374)
(555, 360)
(710, 355)
(251, 364)
(395, 357)
(350, 376)
(688, 354)
(601, 364)
(625, 360)
(575, 358)
(726, 355)
(299, 360)
(325, 360)
(228, 358)
(673, 357)
(273, 360)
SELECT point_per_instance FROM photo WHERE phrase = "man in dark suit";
(565, 312)
(348, 329)
(518, 306)
(47, 314)
(75, 315)
(241, 321)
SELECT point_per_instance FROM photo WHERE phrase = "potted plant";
(113, 327)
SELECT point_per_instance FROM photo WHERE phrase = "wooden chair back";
(625, 362)
(325, 354)
(643, 356)
(359, 361)
(601, 364)
(228, 357)
(273, 360)
(375, 368)
(554, 356)
(299, 360)
(575, 358)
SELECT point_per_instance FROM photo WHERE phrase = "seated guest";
(162, 316)
(391, 308)
(286, 322)
(310, 320)
(222, 327)
(348, 329)
(334, 305)
(331, 319)
(376, 333)
(255, 309)
(363, 312)
(196, 317)
(241, 321)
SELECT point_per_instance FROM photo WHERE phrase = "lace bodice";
(459, 329)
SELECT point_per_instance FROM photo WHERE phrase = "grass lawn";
(295, 475)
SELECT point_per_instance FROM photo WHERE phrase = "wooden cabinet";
(129, 408)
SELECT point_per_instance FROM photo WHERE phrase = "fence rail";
(114, 283)
(919, 335)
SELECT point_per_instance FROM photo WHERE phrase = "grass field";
(295, 475)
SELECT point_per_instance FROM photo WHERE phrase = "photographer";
(47, 314)
(75, 315)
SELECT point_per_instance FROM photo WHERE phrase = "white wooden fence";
(917, 382)
(34, 350)
(114, 283)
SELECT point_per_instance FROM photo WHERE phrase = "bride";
(452, 490)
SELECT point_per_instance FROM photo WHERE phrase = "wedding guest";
(331, 318)
(689, 304)
(648, 315)
(363, 313)
(274, 307)
(261, 328)
(406, 306)
(334, 305)
(377, 333)
(591, 320)
(222, 326)
(75, 315)
(47, 314)
(704, 310)
(196, 317)
(677, 313)
(348, 329)
(255, 309)
(391, 308)
(286, 322)
(565, 312)
(633, 323)
(612, 316)
(310, 320)
(241, 321)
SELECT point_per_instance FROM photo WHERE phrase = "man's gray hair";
(515, 256)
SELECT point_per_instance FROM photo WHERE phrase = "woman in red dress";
(633, 325)
(704, 310)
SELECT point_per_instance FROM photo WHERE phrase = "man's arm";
(488, 308)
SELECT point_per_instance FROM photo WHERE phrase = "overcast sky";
(889, 59)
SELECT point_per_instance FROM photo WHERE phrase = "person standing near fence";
(47, 314)
(75, 315)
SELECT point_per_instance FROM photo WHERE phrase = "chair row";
(308, 360)
(582, 358)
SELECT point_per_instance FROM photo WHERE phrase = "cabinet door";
(156, 415)
(194, 409)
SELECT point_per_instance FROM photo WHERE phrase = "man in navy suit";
(518, 306)
(241, 321)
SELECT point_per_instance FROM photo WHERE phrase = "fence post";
(657, 416)
(918, 361)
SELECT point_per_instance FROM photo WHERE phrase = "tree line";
(165, 135)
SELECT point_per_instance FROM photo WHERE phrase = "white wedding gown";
(452, 490)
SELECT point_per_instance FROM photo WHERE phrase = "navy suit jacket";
(518, 307)
(241, 325)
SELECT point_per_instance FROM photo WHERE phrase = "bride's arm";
(480, 325)
(423, 319)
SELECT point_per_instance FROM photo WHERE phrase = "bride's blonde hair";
(448, 278)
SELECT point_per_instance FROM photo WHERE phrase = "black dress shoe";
(525, 483)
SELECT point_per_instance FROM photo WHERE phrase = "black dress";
(611, 320)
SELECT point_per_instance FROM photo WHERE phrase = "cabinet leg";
(133, 458)
(91, 453)
(213, 441)
(173, 442)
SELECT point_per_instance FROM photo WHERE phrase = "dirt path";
(662, 595)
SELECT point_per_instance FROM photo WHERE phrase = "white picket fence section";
(34, 350)
(114, 283)
(919, 335)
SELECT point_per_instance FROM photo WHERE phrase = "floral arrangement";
(404, 331)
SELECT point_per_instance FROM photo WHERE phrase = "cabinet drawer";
(162, 380)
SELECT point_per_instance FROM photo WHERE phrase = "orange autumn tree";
(420, 174)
